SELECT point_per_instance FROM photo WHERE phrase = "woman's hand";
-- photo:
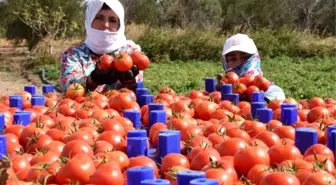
(101, 77)
(129, 75)
(127, 79)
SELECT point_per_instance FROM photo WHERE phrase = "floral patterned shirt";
(78, 62)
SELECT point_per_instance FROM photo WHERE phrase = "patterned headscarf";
(252, 66)
(242, 43)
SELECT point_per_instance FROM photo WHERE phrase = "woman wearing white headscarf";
(240, 55)
(105, 30)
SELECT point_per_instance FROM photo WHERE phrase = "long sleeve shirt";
(78, 62)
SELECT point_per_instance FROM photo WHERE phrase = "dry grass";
(8, 43)
(134, 31)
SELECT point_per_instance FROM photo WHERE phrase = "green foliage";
(34, 20)
(184, 13)
(2, 32)
(299, 78)
(194, 44)
(146, 12)
(48, 62)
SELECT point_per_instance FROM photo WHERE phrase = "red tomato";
(106, 62)
(79, 168)
(4, 99)
(247, 80)
(320, 178)
(257, 142)
(26, 99)
(114, 125)
(43, 172)
(108, 173)
(172, 160)
(280, 178)
(246, 158)
(123, 62)
(250, 90)
(275, 104)
(282, 152)
(118, 157)
(240, 89)
(80, 135)
(55, 146)
(285, 132)
(204, 109)
(322, 162)
(171, 175)
(121, 101)
(45, 157)
(223, 164)
(75, 147)
(190, 132)
(258, 173)
(199, 141)
(45, 120)
(21, 166)
(68, 109)
(296, 165)
(222, 176)
(75, 90)
(112, 137)
(269, 138)
(316, 102)
(230, 146)
(274, 124)
(238, 133)
(261, 82)
(37, 142)
(28, 132)
(231, 78)
(253, 128)
(56, 134)
(83, 113)
(202, 159)
(317, 113)
(320, 149)
(143, 161)
(140, 60)
(102, 147)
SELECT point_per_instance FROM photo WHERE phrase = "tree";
(43, 25)
(41, 20)
(130, 7)
(147, 12)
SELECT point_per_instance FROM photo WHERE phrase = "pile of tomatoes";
(81, 139)
(244, 86)
(123, 62)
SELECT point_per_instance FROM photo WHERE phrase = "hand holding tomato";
(123, 62)
(128, 75)
(104, 76)
(140, 60)
(106, 62)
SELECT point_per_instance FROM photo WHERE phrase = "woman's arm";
(72, 72)
(129, 79)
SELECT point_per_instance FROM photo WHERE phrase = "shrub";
(162, 44)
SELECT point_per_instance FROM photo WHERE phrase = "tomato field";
(225, 134)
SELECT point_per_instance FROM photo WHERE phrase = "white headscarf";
(102, 42)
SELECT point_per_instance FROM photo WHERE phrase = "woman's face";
(236, 58)
(106, 20)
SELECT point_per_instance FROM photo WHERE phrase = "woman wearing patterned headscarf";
(240, 55)
(105, 34)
